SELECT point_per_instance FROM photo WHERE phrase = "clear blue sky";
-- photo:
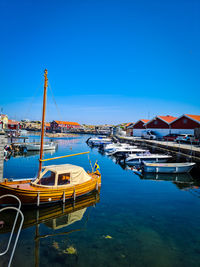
(108, 61)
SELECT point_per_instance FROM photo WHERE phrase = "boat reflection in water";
(55, 217)
(184, 181)
(29, 154)
(173, 177)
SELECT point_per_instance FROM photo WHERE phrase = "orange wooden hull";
(33, 195)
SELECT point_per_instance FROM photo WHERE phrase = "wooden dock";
(12, 138)
(188, 151)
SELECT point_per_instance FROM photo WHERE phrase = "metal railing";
(18, 211)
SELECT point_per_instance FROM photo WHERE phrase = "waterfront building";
(139, 127)
(129, 128)
(3, 121)
(185, 124)
(13, 125)
(47, 126)
(160, 124)
(63, 126)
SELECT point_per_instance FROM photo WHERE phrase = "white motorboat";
(121, 151)
(109, 148)
(168, 167)
(146, 157)
(36, 146)
(97, 141)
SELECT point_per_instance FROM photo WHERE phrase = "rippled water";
(150, 221)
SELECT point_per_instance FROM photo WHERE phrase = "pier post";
(2, 144)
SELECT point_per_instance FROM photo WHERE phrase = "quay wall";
(162, 132)
(186, 151)
(2, 144)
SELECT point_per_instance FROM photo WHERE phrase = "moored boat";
(123, 152)
(53, 183)
(98, 141)
(168, 167)
(109, 148)
(146, 157)
(36, 146)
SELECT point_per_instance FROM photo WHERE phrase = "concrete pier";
(188, 151)
(2, 144)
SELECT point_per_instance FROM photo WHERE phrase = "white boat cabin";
(61, 175)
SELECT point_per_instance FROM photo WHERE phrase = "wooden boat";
(53, 183)
(168, 167)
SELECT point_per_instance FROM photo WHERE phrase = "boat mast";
(43, 119)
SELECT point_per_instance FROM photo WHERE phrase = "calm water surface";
(136, 222)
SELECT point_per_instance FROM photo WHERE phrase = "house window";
(155, 122)
(184, 121)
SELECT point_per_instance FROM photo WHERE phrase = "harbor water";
(149, 221)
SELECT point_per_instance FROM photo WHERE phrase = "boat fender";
(74, 195)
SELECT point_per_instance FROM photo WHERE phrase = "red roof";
(67, 123)
(128, 124)
(194, 117)
(145, 121)
(167, 118)
(13, 122)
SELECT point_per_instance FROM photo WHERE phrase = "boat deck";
(26, 185)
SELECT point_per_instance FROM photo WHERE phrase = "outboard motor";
(88, 140)
(101, 147)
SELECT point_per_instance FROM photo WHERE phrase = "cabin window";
(63, 178)
(185, 121)
(48, 179)
(155, 122)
